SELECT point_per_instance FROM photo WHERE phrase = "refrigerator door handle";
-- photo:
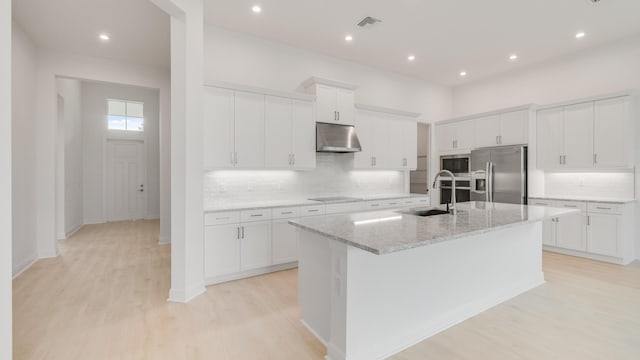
(490, 182)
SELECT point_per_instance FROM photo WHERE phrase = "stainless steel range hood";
(336, 138)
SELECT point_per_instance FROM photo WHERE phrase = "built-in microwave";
(457, 164)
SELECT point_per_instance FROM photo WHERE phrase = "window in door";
(125, 115)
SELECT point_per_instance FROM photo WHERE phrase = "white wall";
(95, 133)
(248, 60)
(52, 64)
(25, 243)
(70, 194)
(611, 68)
(5, 183)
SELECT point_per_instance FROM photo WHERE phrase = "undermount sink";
(430, 212)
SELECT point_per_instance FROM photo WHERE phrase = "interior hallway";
(105, 298)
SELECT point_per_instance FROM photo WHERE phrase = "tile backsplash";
(333, 175)
(618, 185)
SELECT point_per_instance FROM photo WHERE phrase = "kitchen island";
(372, 284)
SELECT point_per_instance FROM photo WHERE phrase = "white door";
(570, 233)
(487, 131)
(303, 137)
(218, 128)
(255, 245)
(249, 130)
(221, 250)
(610, 127)
(277, 123)
(465, 134)
(345, 106)
(285, 242)
(603, 234)
(549, 138)
(326, 104)
(514, 128)
(126, 193)
(578, 136)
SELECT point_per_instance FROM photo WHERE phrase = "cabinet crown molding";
(335, 83)
(387, 110)
(261, 91)
(619, 94)
(489, 113)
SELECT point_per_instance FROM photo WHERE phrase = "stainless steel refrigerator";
(499, 174)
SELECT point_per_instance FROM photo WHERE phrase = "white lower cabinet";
(284, 242)
(600, 231)
(602, 234)
(221, 250)
(255, 245)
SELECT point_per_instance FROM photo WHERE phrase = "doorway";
(126, 170)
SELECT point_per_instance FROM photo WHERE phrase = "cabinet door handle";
(338, 115)
(293, 159)
(236, 158)
(595, 158)
(238, 236)
(231, 160)
(588, 220)
(243, 232)
(564, 159)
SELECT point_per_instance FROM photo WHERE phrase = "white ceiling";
(139, 30)
(446, 36)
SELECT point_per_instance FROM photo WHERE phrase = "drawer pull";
(571, 206)
(256, 215)
(286, 212)
(602, 208)
(314, 210)
(374, 205)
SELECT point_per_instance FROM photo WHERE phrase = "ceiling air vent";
(594, 1)
(368, 21)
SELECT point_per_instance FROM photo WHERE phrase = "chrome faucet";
(453, 188)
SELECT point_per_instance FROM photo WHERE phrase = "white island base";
(364, 306)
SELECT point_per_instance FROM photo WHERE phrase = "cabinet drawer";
(284, 213)
(373, 205)
(423, 200)
(408, 201)
(604, 208)
(572, 205)
(539, 202)
(343, 208)
(221, 218)
(394, 203)
(312, 210)
(255, 215)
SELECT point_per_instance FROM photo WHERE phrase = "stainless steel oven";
(459, 165)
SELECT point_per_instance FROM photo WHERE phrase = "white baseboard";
(582, 254)
(152, 217)
(186, 295)
(74, 230)
(18, 270)
(61, 236)
(313, 332)
(164, 240)
(250, 273)
(95, 221)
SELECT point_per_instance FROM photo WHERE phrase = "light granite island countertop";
(372, 284)
(388, 231)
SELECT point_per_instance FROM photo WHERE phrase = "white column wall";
(5, 182)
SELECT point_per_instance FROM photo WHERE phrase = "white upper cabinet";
(503, 129)
(586, 135)
(289, 134)
(334, 100)
(456, 136)
(578, 136)
(303, 135)
(549, 146)
(487, 131)
(612, 133)
(249, 130)
(372, 129)
(218, 127)
(409, 145)
(514, 127)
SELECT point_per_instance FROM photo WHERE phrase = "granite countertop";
(596, 199)
(383, 232)
(238, 206)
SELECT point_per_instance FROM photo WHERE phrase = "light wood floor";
(105, 298)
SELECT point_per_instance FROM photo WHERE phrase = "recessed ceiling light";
(463, 73)
(104, 37)
(513, 57)
(256, 9)
(411, 57)
(580, 35)
(348, 38)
